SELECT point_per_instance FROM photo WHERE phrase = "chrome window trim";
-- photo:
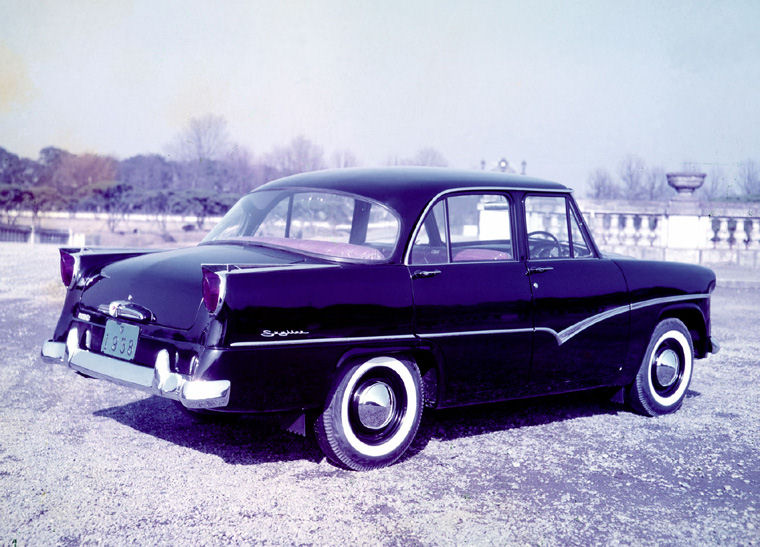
(561, 337)
(556, 258)
(471, 189)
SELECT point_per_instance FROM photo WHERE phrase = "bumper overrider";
(159, 380)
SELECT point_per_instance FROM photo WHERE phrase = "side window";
(430, 244)
(479, 227)
(275, 222)
(581, 248)
(553, 230)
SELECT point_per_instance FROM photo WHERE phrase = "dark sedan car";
(358, 297)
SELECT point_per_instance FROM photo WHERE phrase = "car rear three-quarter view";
(353, 299)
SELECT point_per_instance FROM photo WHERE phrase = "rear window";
(333, 225)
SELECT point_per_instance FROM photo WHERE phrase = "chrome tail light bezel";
(69, 268)
(214, 287)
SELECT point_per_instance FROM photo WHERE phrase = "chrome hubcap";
(375, 404)
(666, 368)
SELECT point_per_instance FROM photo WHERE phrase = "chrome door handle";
(422, 274)
(539, 269)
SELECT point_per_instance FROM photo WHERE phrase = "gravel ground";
(85, 461)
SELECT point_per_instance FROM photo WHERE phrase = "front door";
(580, 300)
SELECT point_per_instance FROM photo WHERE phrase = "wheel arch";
(691, 315)
(424, 358)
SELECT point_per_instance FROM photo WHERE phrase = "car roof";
(409, 188)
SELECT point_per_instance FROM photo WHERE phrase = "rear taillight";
(68, 268)
(213, 290)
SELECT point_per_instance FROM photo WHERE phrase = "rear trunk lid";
(169, 284)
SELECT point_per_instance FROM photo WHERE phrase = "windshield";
(311, 221)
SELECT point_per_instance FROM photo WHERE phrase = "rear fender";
(423, 357)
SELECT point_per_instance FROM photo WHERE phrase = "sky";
(566, 86)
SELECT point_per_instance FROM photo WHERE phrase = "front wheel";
(665, 373)
(372, 413)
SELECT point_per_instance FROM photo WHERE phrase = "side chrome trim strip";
(561, 337)
(566, 334)
(323, 341)
(475, 332)
(494, 331)
(666, 299)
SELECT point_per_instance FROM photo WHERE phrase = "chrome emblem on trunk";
(128, 309)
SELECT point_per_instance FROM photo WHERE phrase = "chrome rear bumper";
(158, 380)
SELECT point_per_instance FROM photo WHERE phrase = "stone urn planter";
(685, 183)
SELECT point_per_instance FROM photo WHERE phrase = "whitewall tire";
(372, 413)
(666, 370)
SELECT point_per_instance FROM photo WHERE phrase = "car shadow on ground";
(238, 440)
(249, 440)
(454, 423)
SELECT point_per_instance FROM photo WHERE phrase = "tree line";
(636, 180)
(202, 174)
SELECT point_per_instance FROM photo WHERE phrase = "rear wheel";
(665, 373)
(372, 413)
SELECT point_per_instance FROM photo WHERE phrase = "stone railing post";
(688, 230)
(629, 232)
(754, 235)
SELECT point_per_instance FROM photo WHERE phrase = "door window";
(478, 227)
(553, 229)
(430, 244)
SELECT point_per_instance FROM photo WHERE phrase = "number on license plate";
(120, 340)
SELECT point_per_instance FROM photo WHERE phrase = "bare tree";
(299, 156)
(601, 185)
(72, 176)
(243, 175)
(715, 186)
(632, 176)
(655, 184)
(203, 139)
(344, 158)
(427, 156)
(748, 178)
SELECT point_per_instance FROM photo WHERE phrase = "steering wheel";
(546, 251)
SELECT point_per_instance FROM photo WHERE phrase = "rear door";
(472, 297)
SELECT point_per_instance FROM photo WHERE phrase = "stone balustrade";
(686, 231)
(689, 232)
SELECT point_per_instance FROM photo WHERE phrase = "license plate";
(120, 340)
